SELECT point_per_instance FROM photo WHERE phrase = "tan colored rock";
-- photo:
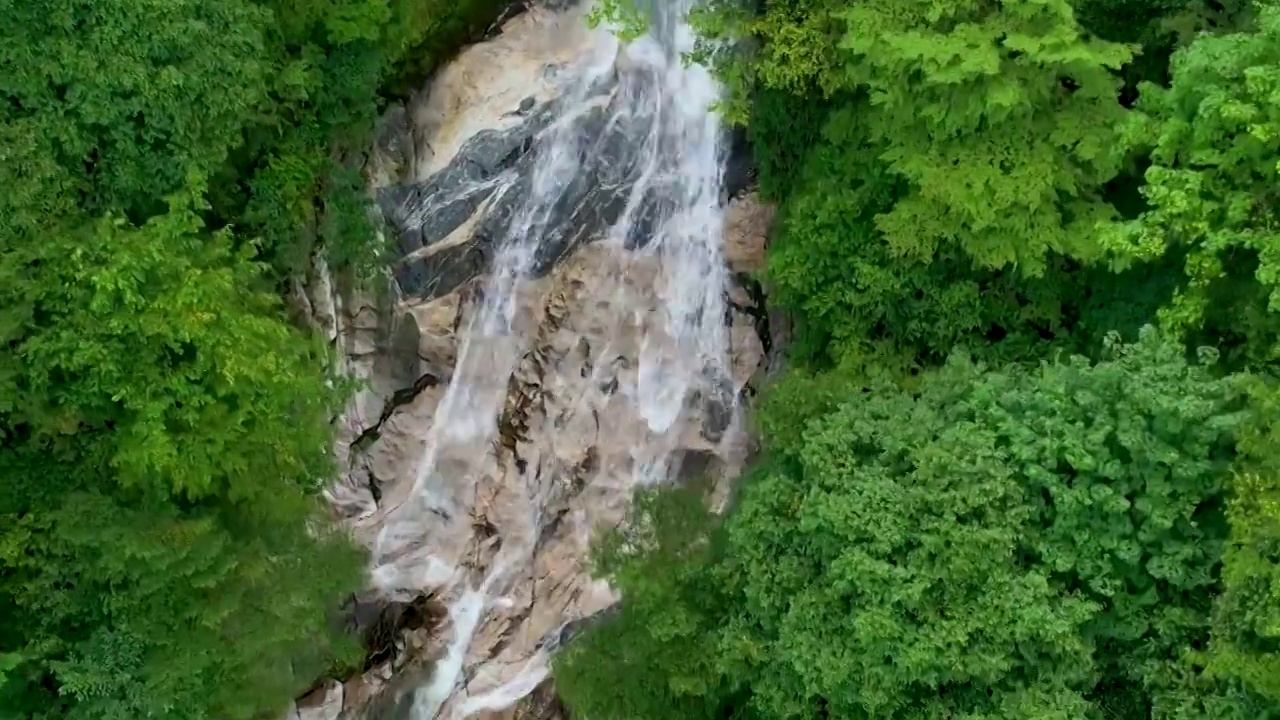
(541, 704)
(748, 220)
(518, 507)
(478, 466)
(747, 349)
(437, 323)
(488, 81)
(323, 703)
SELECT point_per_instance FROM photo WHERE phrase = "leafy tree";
(1158, 28)
(163, 429)
(859, 303)
(1246, 621)
(164, 432)
(273, 100)
(945, 178)
(164, 335)
(1002, 543)
(1000, 121)
(663, 641)
(1213, 136)
(125, 97)
(998, 118)
(986, 539)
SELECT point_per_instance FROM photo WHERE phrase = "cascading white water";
(683, 168)
(673, 220)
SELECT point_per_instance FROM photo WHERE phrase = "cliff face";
(572, 316)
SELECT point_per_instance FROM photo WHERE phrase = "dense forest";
(1026, 460)
(164, 427)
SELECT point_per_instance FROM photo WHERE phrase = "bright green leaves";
(1131, 459)
(799, 55)
(163, 336)
(127, 96)
(168, 614)
(1018, 542)
(991, 137)
(943, 531)
(999, 117)
(626, 18)
(1247, 618)
(957, 175)
(349, 20)
(164, 432)
(878, 568)
(856, 300)
(1214, 137)
(1246, 621)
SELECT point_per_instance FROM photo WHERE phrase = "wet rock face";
(450, 197)
(568, 426)
(383, 624)
(567, 438)
(541, 704)
(449, 225)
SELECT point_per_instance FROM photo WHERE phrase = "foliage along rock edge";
(164, 430)
(986, 490)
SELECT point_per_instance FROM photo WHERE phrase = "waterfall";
(665, 181)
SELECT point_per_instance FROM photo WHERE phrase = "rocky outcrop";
(480, 519)
(565, 416)
(453, 168)
(541, 704)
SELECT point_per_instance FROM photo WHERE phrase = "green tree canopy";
(944, 167)
(1014, 543)
(999, 119)
(1246, 621)
(1213, 137)
(126, 97)
(164, 431)
(1018, 532)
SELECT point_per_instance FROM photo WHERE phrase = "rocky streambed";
(572, 315)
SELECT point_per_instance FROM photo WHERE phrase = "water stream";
(672, 167)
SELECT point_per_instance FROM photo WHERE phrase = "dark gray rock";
(717, 408)
(740, 166)
(576, 628)
(594, 197)
(402, 357)
(694, 465)
(441, 273)
(498, 168)
(426, 213)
